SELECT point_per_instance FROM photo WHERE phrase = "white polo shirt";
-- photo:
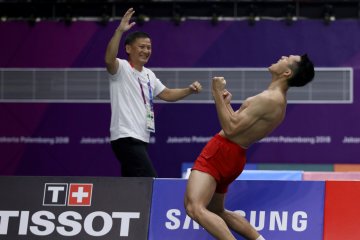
(128, 111)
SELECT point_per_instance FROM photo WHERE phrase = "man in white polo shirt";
(133, 88)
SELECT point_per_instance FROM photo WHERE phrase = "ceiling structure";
(106, 10)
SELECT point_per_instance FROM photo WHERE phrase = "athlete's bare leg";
(234, 220)
(199, 192)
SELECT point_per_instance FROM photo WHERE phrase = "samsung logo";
(261, 220)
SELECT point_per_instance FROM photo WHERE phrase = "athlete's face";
(139, 51)
(284, 64)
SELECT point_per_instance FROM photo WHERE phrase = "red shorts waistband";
(225, 140)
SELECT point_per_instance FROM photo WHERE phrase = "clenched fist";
(218, 84)
(227, 96)
(195, 87)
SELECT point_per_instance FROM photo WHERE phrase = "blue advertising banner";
(279, 210)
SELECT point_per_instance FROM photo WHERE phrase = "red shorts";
(222, 159)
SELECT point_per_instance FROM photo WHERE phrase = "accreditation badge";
(150, 120)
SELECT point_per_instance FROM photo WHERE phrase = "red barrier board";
(342, 210)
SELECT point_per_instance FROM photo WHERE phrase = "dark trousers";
(133, 157)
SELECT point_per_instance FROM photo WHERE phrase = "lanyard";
(150, 123)
(142, 91)
(150, 92)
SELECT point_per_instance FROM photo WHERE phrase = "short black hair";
(303, 72)
(131, 37)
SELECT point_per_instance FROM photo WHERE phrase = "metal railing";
(331, 85)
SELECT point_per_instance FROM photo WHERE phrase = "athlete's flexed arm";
(234, 123)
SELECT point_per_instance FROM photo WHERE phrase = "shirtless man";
(223, 158)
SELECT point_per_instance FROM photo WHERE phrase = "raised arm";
(234, 123)
(175, 94)
(113, 45)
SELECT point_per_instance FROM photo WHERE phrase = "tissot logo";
(52, 209)
(60, 194)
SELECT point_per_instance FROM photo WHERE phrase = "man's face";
(284, 64)
(139, 51)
